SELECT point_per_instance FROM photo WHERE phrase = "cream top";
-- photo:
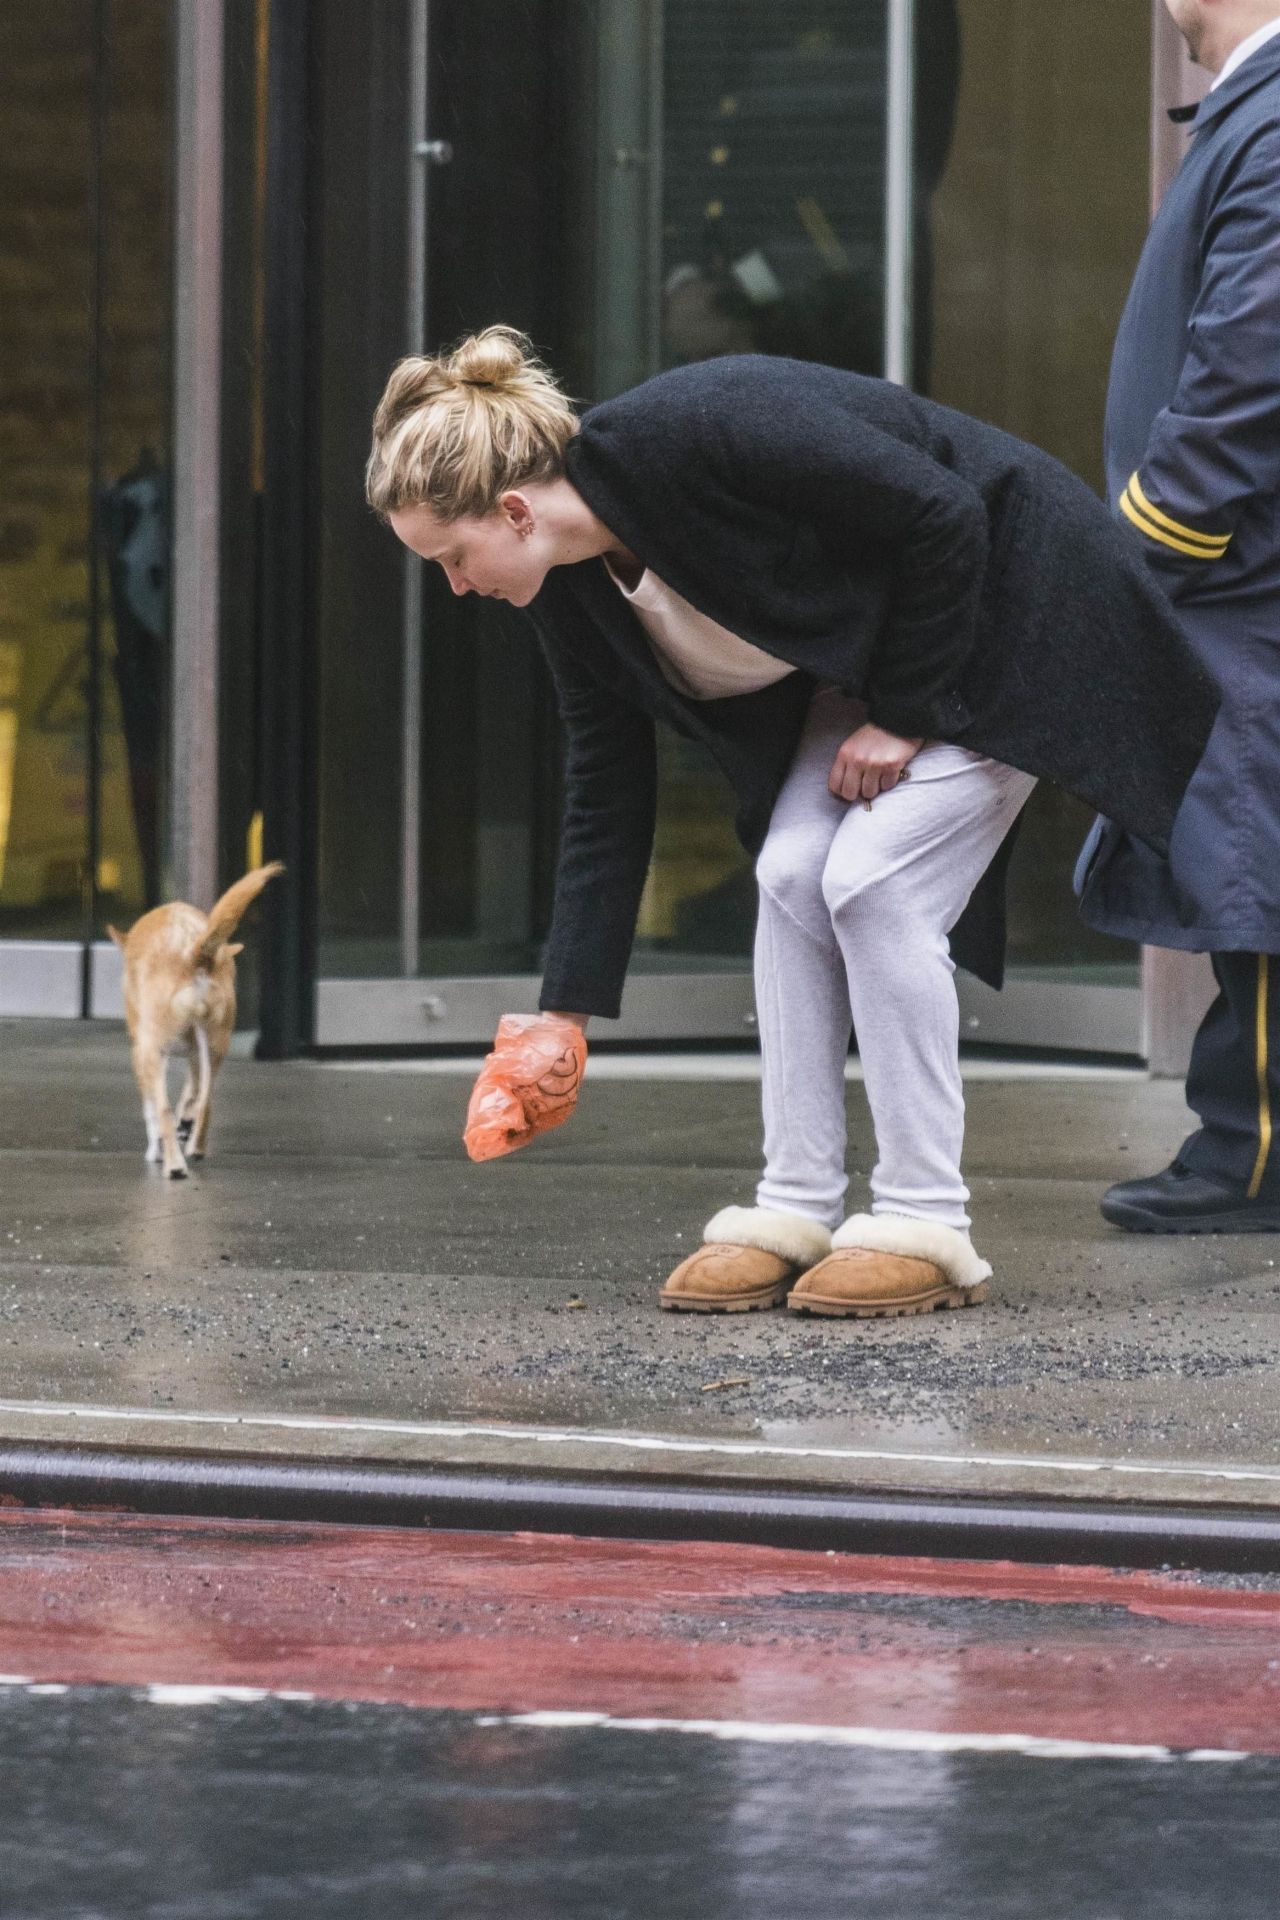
(695, 655)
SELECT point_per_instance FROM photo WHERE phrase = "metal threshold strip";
(256, 1487)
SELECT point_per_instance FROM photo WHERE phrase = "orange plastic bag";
(527, 1085)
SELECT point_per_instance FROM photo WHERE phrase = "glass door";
(941, 191)
(443, 193)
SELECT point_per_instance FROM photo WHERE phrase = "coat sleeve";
(606, 837)
(1216, 447)
(877, 500)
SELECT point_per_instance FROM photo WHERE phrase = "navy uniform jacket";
(966, 585)
(1193, 469)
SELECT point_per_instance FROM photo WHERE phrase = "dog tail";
(225, 914)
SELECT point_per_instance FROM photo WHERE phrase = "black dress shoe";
(1180, 1201)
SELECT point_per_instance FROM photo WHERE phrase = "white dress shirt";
(1246, 48)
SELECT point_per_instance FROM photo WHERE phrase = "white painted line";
(639, 1443)
(880, 1739)
(759, 1732)
(163, 1695)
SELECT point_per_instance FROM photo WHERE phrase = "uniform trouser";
(1234, 1079)
(855, 909)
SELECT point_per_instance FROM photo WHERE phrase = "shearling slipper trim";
(789, 1235)
(915, 1240)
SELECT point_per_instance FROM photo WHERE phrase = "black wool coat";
(964, 584)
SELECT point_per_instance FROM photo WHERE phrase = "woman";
(885, 620)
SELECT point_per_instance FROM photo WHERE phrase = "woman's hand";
(871, 762)
(528, 1084)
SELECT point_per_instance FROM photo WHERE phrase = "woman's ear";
(518, 511)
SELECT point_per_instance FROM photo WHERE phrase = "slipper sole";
(746, 1303)
(939, 1298)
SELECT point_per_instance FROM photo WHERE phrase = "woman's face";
(496, 554)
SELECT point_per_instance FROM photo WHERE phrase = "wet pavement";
(338, 1279)
(694, 1632)
(119, 1808)
(228, 1719)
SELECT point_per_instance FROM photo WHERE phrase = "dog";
(180, 997)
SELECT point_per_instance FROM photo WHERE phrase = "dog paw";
(177, 1173)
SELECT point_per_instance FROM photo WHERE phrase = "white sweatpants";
(855, 909)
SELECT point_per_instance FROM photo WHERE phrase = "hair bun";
(455, 432)
(495, 358)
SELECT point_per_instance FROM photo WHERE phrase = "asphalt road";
(209, 1721)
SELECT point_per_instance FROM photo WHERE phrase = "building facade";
(227, 218)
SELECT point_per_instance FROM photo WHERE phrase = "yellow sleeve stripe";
(1153, 532)
(1214, 545)
(1264, 1094)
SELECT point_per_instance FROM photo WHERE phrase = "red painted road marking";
(522, 1623)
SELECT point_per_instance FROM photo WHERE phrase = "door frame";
(683, 1008)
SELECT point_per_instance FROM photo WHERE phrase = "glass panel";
(506, 241)
(52, 66)
(487, 753)
(773, 134)
(45, 346)
(361, 163)
(772, 142)
(137, 223)
(1032, 239)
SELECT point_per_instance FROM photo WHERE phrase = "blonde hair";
(456, 432)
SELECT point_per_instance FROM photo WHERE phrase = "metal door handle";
(438, 152)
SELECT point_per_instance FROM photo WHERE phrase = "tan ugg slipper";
(884, 1265)
(749, 1259)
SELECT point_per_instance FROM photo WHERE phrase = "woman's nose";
(456, 580)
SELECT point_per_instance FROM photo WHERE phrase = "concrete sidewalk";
(338, 1281)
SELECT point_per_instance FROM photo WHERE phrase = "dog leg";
(155, 1066)
(186, 1108)
(144, 1073)
(213, 1051)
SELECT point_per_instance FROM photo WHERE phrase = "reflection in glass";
(134, 530)
(57, 170)
(44, 432)
(773, 133)
(1030, 196)
(773, 181)
(1037, 225)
